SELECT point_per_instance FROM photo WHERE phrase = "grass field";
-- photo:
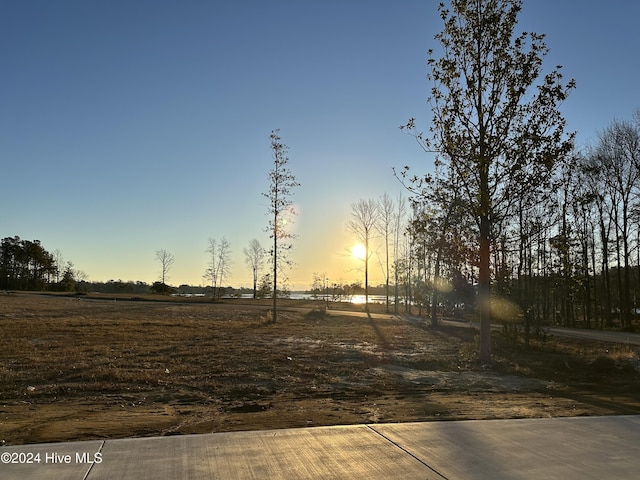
(97, 368)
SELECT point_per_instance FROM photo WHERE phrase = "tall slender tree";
(490, 127)
(58, 260)
(364, 218)
(386, 211)
(280, 210)
(618, 152)
(219, 264)
(398, 222)
(254, 258)
(166, 260)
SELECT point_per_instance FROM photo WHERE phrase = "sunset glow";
(359, 251)
(183, 117)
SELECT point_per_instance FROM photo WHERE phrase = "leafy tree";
(25, 265)
(280, 210)
(443, 228)
(264, 289)
(496, 133)
(68, 278)
(440, 226)
(161, 288)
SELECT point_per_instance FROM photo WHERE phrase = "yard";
(99, 368)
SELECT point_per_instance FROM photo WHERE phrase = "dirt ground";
(97, 368)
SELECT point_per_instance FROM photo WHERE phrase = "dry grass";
(78, 369)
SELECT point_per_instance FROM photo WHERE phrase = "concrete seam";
(408, 452)
(86, 475)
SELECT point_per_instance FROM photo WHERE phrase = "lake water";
(357, 299)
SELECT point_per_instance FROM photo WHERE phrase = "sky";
(129, 126)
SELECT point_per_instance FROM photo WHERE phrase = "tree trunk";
(596, 305)
(366, 273)
(484, 290)
(484, 271)
(434, 297)
(275, 267)
(626, 288)
(255, 283)
(587, 283)
(386, 246)
(619, 272)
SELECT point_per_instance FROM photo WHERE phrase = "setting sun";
(359, 251)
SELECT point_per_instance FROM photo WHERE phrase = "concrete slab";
(558, 448)
(49, 460)
(554, 448)
(350, 452)
(309, 453)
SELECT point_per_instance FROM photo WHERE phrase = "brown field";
(97, 368)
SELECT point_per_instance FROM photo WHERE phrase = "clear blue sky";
(130, 126)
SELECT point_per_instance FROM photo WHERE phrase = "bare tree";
(618, 154)
(219, 264)
(166, 260)
(385, 227)
(58, 260)
(254, 258)
(364, 218)
(281, 211)
(398, 222)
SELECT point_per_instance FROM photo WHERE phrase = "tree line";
(544, 233)
(27, 265)
(218, 268)
(398, 240)
(565, 249)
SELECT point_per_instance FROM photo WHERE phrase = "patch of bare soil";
(92, 369)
